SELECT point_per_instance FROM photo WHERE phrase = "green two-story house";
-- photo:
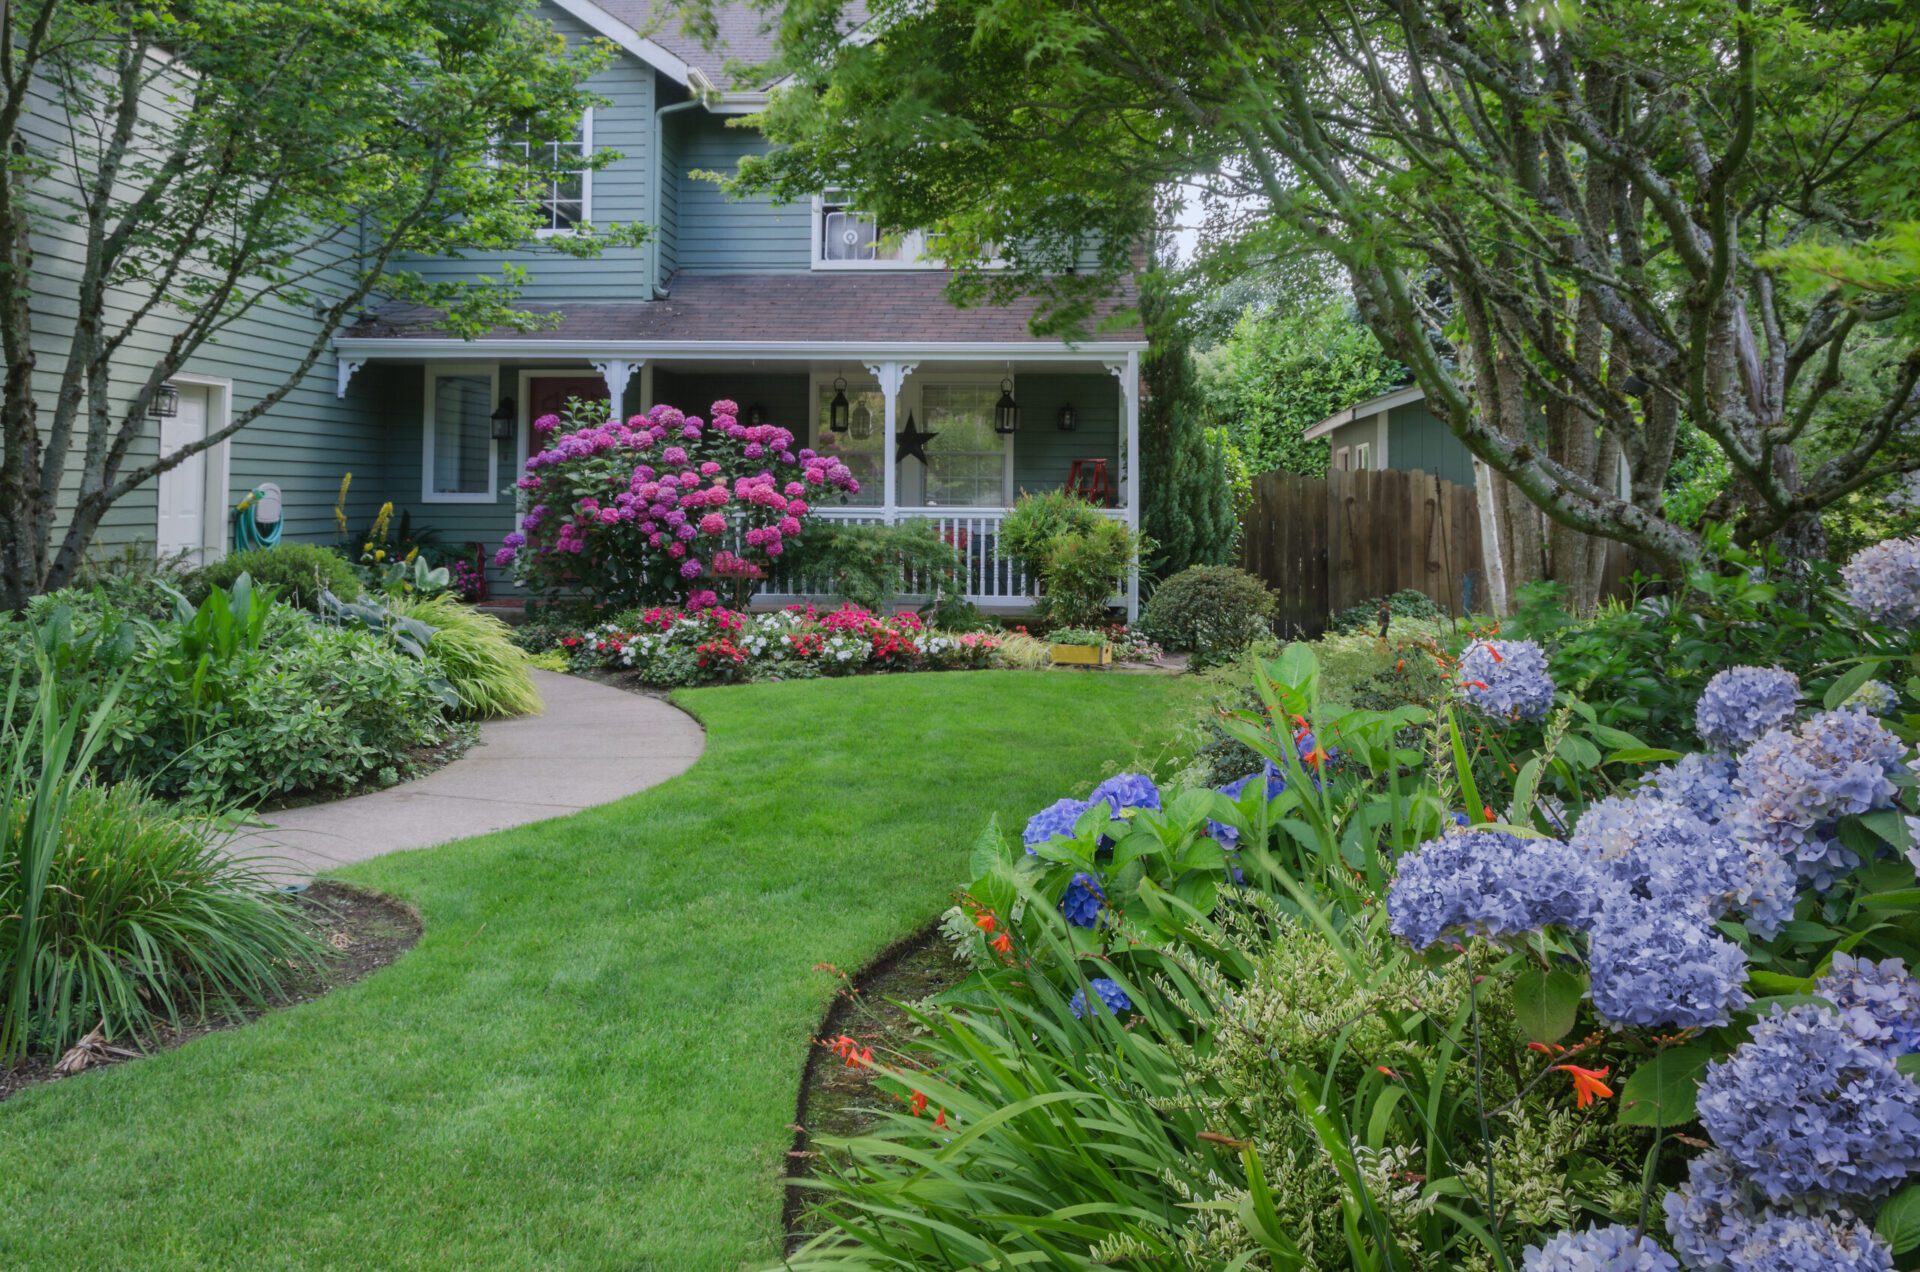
(784, 308)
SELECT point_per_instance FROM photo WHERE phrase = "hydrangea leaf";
(1662, 1091)
(1579, 752)
(1546, 1003)
(1641, 755)
(989, 850)
(1898, 1223)
(1843, 688)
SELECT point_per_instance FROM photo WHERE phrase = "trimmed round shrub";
(1211, 611)
(297, 572)
(1039, 522)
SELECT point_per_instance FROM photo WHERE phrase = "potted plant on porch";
(1079, 647)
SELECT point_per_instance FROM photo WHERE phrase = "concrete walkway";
(593, 744)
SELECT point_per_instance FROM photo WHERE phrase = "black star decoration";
(911, 441)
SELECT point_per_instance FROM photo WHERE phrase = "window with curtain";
(863, 455)
(460, 435)
(967, 462)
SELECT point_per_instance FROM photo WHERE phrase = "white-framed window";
(1363, 456)
(968, 464)
(844, 238)
(862, 448)
(563, 198)
(1343, 458)
(457, 462)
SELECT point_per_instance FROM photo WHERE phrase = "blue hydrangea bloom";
(1703, 784)
(1655, 847)
(1227, 836)
(1082, 901)
(1741, 703)
(1798, 782)
(1716, 1222)
(1107, 995)
(1659, 963)
(1875, 697)
(1507, 679)
(1054, 821)
(1493, 884)
(1879, 1003)
(1804, 1110)
(1883, 582)
(1126, 790)
(1614, 1248)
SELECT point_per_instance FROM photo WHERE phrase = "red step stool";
(1088, 479)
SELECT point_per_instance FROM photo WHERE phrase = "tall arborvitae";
(1186, 497)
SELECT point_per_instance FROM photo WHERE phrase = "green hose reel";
(257, 521)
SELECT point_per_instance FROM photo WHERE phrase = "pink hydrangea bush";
(669, 646)
(642, 511)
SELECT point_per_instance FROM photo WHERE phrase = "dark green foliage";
(297, 572)
(873, 565)
(1187, 506)
(1039, 521)
(1408, 602)
(1211, 611)
(1280, 373)
(1085, 570)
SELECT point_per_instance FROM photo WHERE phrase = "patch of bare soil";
(840, 1099)
(362, 930)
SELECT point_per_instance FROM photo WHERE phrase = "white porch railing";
(987, 577)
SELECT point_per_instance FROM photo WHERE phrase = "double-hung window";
(562, 194)
(457, 465)
(968, 464)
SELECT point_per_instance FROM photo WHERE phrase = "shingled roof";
(857, 307)
(741, 30)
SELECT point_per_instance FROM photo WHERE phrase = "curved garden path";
(592, 745)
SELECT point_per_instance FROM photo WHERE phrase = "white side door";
(182, 491)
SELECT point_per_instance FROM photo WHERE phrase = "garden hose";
(257, 521)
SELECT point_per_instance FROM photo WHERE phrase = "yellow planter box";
(1081, 655)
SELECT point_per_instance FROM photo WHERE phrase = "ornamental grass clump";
(475, 652)
(638, 512)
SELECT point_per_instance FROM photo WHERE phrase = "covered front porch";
(917, 424)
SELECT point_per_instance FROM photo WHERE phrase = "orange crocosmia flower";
(1003, 943)
(1588, 1084)
(1383, 1069)
(919, 1103)
(984, 921)
(1401, 665)
(1496, 654)
(941, 1120)
(1476, 684)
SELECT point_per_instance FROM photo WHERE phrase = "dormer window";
(563, 196)
(844, 238)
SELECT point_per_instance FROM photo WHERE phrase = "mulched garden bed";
(836, 1099)
(364, 931)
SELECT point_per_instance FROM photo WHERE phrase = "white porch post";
(891, 376)
(1128, 373)
(617, 372)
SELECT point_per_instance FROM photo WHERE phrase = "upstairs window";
(847, 239)
(563, 196)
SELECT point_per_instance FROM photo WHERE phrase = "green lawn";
(591, 1058)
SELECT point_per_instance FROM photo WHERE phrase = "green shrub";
(297, 572)
(1085, 569)
(1211, 611)
(476, 654)
(872, 565)
(1408, 602)
(1038, 522)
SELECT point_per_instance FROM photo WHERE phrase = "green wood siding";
(1042, 454)
(721, 235)
(1417, 439)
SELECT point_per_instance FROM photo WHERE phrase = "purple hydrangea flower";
(1658, 848)
(1805, 1108)
(1507, 679)
(1614, 1248)
(1055, 821)
(1716, 1222)
(1659, 963)
(1879, 1003)
(1702, 784)
(1126, 790)
(1741, 703)
(1083, 900)
(1107, 995)
(1883, 582)
(1493, 884)
(1227, 836)
(1798, 782)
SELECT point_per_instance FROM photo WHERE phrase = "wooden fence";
(1323, 544)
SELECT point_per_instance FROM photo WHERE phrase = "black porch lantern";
(862, 427)
(1069, 419)
(1006, 412)
(839, 413)
(756, 415)
(505, 421)
(166, 402)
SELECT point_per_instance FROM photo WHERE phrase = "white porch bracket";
(343, 369)
(617, 372)
(891, 376)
